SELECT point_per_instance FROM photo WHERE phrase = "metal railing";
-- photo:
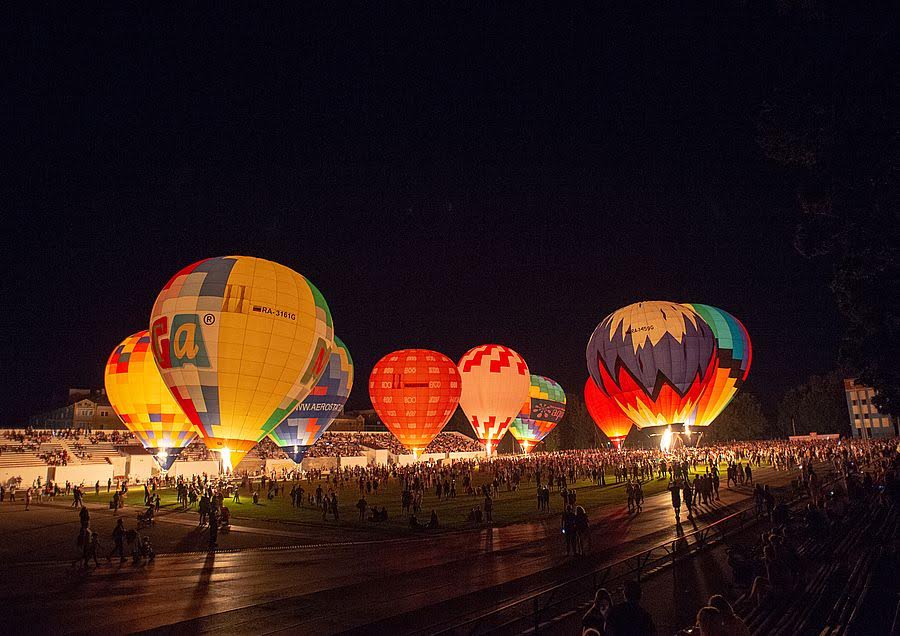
(529, 611)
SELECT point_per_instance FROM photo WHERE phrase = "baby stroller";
(142, 548)
(145, 518)
(225, 520)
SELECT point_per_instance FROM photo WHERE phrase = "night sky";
(446, 178)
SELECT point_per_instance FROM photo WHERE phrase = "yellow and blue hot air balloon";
(240, 342)
(302, 428)
(732, 366)
(142, 401)
(654, 360)
(541, 412)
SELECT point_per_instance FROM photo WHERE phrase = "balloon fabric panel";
(732, 363)
(654, 359)
(415, 392)
(495, 384)
(142, 401)
(306, 424)
(240, 341)
(606, 414)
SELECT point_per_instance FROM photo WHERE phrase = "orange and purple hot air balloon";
(654, 359)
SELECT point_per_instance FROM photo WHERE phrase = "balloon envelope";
(142, 401)
(414, 392)
(734, 353)
(654, 359)
(541, 412)
(606, 414)
(302, 428)
(240, 341)
(495, 384)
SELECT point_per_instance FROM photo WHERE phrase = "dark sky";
(446, 178)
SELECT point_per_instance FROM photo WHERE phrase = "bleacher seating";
(838, 568)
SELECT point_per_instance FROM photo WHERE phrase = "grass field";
(509, 507)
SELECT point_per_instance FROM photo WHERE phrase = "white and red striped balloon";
(495, 383)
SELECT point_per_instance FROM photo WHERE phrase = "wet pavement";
(406, 585)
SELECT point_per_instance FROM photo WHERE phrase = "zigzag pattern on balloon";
(504, 358)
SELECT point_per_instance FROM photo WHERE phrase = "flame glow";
(666, 442)
(226, 459)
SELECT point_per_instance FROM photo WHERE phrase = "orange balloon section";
(606, 414)
(414, 392)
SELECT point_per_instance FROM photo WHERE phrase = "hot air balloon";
(414, 392)
(654, 359)
(302, 428)
(496, 382)
(240, 342)
(732, 363)
(142, 401)
(606, 414)
(540, 413)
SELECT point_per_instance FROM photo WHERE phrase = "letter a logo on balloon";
(187, 342)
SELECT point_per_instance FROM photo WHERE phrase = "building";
(84, 409)
(865, 420)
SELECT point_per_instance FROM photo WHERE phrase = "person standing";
(569, 530)
(675, 491)
(334, 505)
(688, 498)
(629, 618)
(118, 535)
(598, 614)
(213, 529)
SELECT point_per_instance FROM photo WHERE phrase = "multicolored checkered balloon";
(302, 428)
(142, 401)
(240, 342)
(541, 412)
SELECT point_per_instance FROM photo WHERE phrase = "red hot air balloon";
(496, 382)
(414, 392)
(606, 414)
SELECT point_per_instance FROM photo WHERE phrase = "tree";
(742, 419)
(831, 123)
(817, 405)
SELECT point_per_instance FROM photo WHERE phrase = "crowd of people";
(30, 440)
